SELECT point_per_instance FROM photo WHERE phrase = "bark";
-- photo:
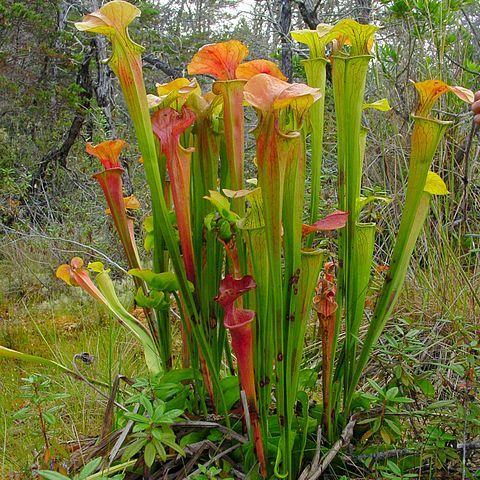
(164, 67)
(285, 23)
(363, 11)
(308, 13)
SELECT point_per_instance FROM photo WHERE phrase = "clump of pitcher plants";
(239, 263)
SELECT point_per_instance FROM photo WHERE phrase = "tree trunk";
(308, 13)
(363, 11)
(285, 23)
(60, 153)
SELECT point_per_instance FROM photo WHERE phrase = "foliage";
(152, 433)
(84, 474)
(257, 233)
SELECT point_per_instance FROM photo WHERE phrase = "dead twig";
(230, 434)
(404, 452)
(342, 442)
(316, 458)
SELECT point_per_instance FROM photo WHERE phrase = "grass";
(430, 351)
(58, 329)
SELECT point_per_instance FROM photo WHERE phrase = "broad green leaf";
(136, 417)
(307, 378)
(391, 393)
(385, 436)
(178, 375)
(230, 390)
(222, 204)
(171, 415)
(133, 448)
(148, 224)
(89, 468)
(457, 368)
(149, 242)
(49, 418)
(403, 400)
(394, 468)
(393, 426)
(426, 387)
(192, 437)
(140, 427)
(381, 105)
(160, 450)
(170, 442)
(149, 454)
(435, 185)
(49, 475)
(147, 404)
(376, 386)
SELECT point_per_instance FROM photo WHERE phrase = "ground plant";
(245, 263)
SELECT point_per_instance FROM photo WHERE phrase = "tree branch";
(164, 67)
(60, 153)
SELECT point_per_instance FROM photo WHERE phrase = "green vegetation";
(288, 296)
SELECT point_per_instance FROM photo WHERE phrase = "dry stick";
(472, 27)
(196, 450)
(246, 412)
(316, 458)
(403, 452)
(122, 437)
(342, 442)
(108, 415)
(201, 424)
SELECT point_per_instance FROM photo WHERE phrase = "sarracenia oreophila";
(242, 263)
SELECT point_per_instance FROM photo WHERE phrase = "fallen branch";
(404, 452)
(316, 458)
(317, 468)
(201, 424)
(164, 67)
